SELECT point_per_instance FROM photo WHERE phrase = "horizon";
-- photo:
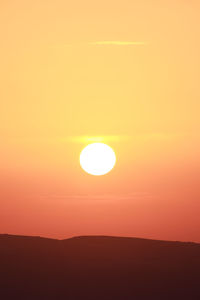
(99, 236)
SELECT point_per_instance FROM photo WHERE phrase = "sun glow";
(97, 159)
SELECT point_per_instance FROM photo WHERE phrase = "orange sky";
(126, 71)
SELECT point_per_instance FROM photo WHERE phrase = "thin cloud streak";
(100, 197)
(96, 139)
(117, 43)
(105, 43)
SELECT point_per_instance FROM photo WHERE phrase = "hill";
(98, 267)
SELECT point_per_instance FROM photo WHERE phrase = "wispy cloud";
(96, 139)
(104, 43)
(97, 197)
(117, 43)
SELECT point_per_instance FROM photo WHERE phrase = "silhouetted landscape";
(98, 267)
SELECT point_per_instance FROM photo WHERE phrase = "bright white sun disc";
(97, 159)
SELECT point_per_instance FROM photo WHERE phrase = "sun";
(97, 159)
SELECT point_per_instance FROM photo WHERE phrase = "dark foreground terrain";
(97, 268)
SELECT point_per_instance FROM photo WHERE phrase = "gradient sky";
(125, 71)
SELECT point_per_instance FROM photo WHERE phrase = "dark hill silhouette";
(98, 267)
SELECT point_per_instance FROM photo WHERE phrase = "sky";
(125, 72)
